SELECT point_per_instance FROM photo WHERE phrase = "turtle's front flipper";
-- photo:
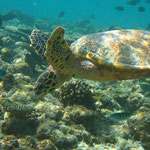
(49, 80)
(58, 52)
(38, 42)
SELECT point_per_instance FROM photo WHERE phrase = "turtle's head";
(48, 81)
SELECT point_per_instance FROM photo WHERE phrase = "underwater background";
(102, 10)
(81, 114)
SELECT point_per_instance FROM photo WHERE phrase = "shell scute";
(118, 48)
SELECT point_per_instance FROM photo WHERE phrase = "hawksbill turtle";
(106, 56)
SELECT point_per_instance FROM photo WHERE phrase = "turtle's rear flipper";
(38, 42)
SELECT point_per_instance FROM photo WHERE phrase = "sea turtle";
(106, 56)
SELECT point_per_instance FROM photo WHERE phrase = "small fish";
(119, 8)
(120, 115)
(141, 9)
(145, 86)
(92, 16)
(133, 2)
(4, 50)
(148, 27)
(61, 14)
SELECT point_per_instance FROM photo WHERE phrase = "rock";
(28, 142)
(114, 28)
(44, 130)
(8, 81)
(21, 16)
(47, 145)
(139, 126)
(24, 68)
(7, 41)
(10, 142)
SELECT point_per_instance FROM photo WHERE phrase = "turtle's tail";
(38, 42)
(58, 52)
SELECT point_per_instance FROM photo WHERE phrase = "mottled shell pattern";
(119, 48)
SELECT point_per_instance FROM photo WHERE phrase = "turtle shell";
(118, 48)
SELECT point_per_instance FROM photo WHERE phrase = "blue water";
(104, 11)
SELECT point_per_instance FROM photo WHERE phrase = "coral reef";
(10, 143)
(23, 17)
(75, 116)
(8, 81)
(84, 26)
(47, 145)
(80, 115)
(77, 92)
(42, 25)
(139, 125)
(7, 41)
(114, 28)
(29, 142)
(19, 126)
(10, 106)
(15, 33)
(49, 131)
(18, 117)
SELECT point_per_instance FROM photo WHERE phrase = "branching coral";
(10, 106)
(18, 118)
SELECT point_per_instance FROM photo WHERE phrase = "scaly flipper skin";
(48, 81)
(38, 42)
(58, 52)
